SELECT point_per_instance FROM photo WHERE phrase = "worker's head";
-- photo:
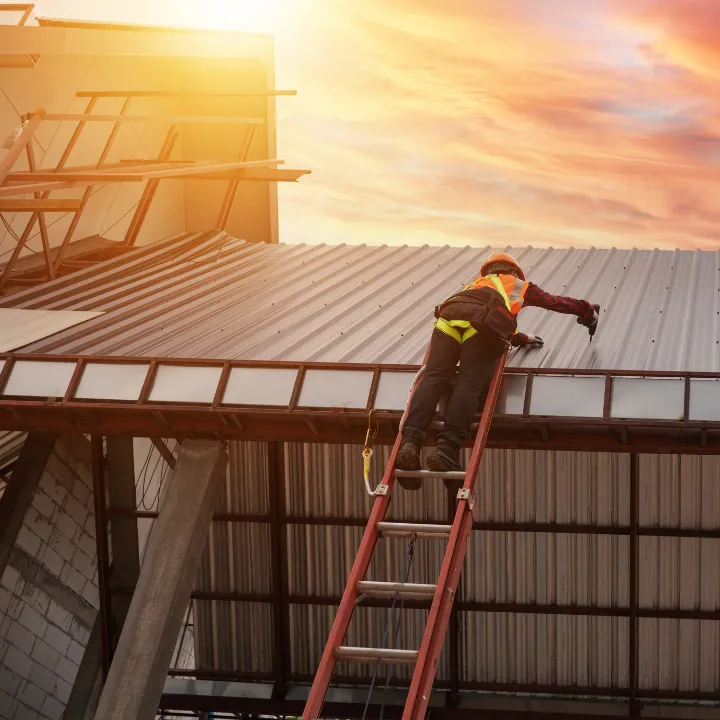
(500, 263)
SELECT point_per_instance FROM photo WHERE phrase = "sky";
(484, 122)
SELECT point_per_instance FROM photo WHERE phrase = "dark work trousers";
(477, 357)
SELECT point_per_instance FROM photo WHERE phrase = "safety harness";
(453, 327)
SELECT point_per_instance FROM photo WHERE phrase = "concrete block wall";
(48, 592)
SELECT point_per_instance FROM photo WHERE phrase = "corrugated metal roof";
(214, 296)
(507, 567)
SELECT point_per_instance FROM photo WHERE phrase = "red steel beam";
(21, 141)
(41, 217)
(33, 218)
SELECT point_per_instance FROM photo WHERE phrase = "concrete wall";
(48, 592)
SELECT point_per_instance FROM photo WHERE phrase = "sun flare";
(260, 16)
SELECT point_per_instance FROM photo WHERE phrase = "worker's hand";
(591, 322)
(534, 341)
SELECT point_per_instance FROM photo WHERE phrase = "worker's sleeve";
(535, 297)
(519, 339)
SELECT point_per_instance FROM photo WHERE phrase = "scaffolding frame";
(40, 184)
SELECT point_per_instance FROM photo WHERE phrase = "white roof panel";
(21, 327)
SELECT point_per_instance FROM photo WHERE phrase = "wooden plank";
(251, 175)
(259, 175)
(19, 145)
(16, 7)
(174, 119)
(204, 169)
(44, 187)
(45, 205)
(179, 94)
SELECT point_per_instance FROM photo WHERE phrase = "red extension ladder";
(443, 593)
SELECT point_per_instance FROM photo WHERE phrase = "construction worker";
(474, 327)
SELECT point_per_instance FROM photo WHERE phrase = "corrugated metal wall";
(501, 566)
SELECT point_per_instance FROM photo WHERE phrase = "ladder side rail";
(436, 628)
(323, 676)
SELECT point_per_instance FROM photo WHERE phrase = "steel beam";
(46, 194)
(353, 711)
(137, 675)
(18, 494)
(149, 192)
(21, 141)
(103, 555)
(278, 549)
(231, 193)
(633, 705)
(42, 205)
(88, 191)
(41, 217)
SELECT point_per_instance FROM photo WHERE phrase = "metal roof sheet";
(214, 296)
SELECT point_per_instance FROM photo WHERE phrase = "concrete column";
(124, 572)
(20, 490)
(123, 531)
(137, 675)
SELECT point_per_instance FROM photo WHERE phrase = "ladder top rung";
(381, 655)
(400, 529)
(376, 587)
(452, 475)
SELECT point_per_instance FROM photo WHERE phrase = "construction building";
(183, 405)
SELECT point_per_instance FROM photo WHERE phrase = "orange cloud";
(431, 122)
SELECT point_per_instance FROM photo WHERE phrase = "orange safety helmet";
(497, 258)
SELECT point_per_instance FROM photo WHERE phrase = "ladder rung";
(422, 531)
(385, 656)
(452, 475)
(374, 588)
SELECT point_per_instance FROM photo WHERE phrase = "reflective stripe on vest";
(501, 289)
(514, 289)
(449, 328)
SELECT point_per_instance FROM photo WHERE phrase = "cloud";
(484, 123)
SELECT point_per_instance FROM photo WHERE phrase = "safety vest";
(513, 293)
(511, 288)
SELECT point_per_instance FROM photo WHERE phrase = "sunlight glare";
(255, 16)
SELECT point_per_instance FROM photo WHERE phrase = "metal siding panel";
(546, 486)
(679, 654)
(539, 486)
(555, 649)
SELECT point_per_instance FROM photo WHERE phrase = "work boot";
(445, 458)
(408, 458)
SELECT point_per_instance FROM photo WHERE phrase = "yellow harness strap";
(449, 327)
